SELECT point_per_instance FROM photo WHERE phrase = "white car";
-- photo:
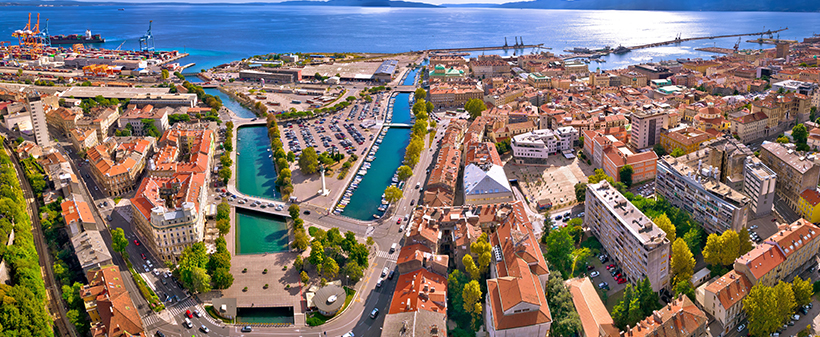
(741, 327)
(594, 274)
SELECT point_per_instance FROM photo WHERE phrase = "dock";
(179, 56)
(770, 41)
(717, 50)
(187, 66)
(525, 46)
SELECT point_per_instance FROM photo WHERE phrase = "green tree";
(785, 303)
(300, 239)
(745, 241)
(566, 321)
(294, 210)
(304, 277)
(659, 150)
(475, 106)
(420, 94)
(663, 222)
(692, 239)
(579, 257)
(685, 287)
(626, 175)
(309, 161)
(405, 172)
(118, 241)
(782, 140)
(353, 271)
(330, 269)
(317, 253)
(581, 192)
(164, 74)
(759, 305)
(800, 134)
(599, 176)
(224, 226)
(682, 263)
(222, 278)
(392, 194)
(677, 152)
(802, 291)
(559, 248)
(470, 266)
(471, 295)
(200, 280)
(429, 106)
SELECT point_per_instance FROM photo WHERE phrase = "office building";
(631, 238)
(646, 127)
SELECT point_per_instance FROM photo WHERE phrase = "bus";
(295, 102)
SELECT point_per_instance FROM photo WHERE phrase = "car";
(136, 242)
(796, 317)
(603, 285)
(143, 256)
(621, 281)
(247, 328)
(610, 266)
(398, 221)
(188, 313)
(163, 281)
(385, 271)
(741, 327)
(590, 267)
(374, 313)
(390, 275)
(197, 313)
(412, 202)
(349, 334)
(379, 283)
(594, 274)
(204, 329)
(306, 212)
(159, 334)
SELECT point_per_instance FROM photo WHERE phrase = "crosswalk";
(389, 256)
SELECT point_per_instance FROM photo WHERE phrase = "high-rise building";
(631, 238)
(759, 185)
(646, 127)
(38, 121)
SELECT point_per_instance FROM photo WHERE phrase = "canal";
(230, 103)
(365, 201)
(259, 233)
(255, 173)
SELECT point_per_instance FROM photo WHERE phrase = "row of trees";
(413, 151)
(768, 308)
(329, 250)
(565, 320)
(212, 101)
(638, 303)
(200, 272)
(280, 158)
(22, 303)
(225, 160)
(300, 240)
(464, 303)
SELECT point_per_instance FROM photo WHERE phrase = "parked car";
(603, 285)
(374, 313)
(741, 327)
(621, 281)
(247, 328)
(594, 274)
(379, 283)
(197, 313)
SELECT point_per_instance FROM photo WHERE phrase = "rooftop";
(638, 224)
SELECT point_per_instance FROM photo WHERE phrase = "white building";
(486, 184)
(758, 184)
(534, 147)
(38, 121)
(646, 127)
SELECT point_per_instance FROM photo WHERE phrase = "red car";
(398, 221)
(136, 242)
(143, 256)
(188, 313)
(610, 266)
(621, 281)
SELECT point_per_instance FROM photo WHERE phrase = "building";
(486, 184)
(185, 150)
(595, 319)
(489, 66)
(419, 305)
(539, 81)
(329, 299)
(631, 238)
(750, 126)
(107, 302)
(441, 185)
(453, 95)
(100, 119)
(83, 138)
(385, 71)
(809, 205)
(711, 118)
(38, 121)
(611, 154)
(170, 211)
(63, 119)
(784, 110)
(679, 318)
(516, 304)
(796, 171)
(723, 299)
(689, 182)
(91, 250)
(443, 74)
(685, 138)
(116, 166)
(188, 100)
(759, 183)
(272, 75)
(646, 127)
(77, 216)
(788, 252)
(136, 118)
(417, 256)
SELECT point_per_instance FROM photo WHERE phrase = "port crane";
(737, 44)
(147, 40)
(120, 46)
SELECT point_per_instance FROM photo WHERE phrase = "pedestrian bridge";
(405, 88)
(399, 125)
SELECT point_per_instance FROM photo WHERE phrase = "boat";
(77, 38)
(120, 9)
(376, 216)
(382, 208)
(621, 50)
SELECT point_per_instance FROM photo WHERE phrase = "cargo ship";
(76, 38)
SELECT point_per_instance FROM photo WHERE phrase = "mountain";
(673, 5)
(356, 3)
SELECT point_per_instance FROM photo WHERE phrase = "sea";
(216, 34)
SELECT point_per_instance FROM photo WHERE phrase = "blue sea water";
(216, 34)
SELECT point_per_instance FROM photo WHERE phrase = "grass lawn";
(612, 299)
(211, 311)
(320, 319)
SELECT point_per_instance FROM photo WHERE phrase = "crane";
(147, 40)
(120, 46)
(737, 44)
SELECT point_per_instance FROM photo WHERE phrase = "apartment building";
(77, 216)
(690, 184)
(183, 149)
(539, 81)
(723, 297)
(647, 126)
(64, 119)
(83, 138)
(750, 126)
(685, 138)
(809, 205)
(611, 154)
(595, 319)
(631, 238)
(136, 117)
(759, 183)
(516, 304)
(489, 66)
(116, 166)
(91, 250)
(789, 251)
(418, 307)
(100, 119)
(109, 305)
(417, 256)
(170, 211)
(679, 318)
(796, 171)
(783, 110)
(39, 125)
(454, 95)
(441, 185)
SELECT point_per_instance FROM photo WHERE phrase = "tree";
(579, 256)
(581, 192)
(785, 303)
(317, 253)
(429, 106)
(626, 175)
(420, 94)
(692, 238)
(659, 150)
(298, 264)
(800, 134)
(222, 278)
(759, 305)
(677, 152)
(405, 172)
(471, 295)
(682, 263)
(713, 251)
(164, 74)
(470, 266)
(293, 210)
(300, 239)
(224, 226)
(566, 321)
(318, 76)
(599, 176)
(722, 249)
(353, 271)
(666, 225)
(745, 241)
(392, 194)
(475, 106)
(118, 241)
(304, 277)
(559, 247)
(200, 280)
(782, 140)
(330, 269)
(685, 288)
(802, 290)
(309, 161)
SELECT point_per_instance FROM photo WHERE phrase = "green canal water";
(259, 233)
(229, 103)
(365, 201)
(265, 315)
(255, 174)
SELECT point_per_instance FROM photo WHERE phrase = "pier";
(770, 41)
(717, 50)
(524, 46)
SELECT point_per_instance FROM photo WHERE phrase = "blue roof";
(387, 67)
